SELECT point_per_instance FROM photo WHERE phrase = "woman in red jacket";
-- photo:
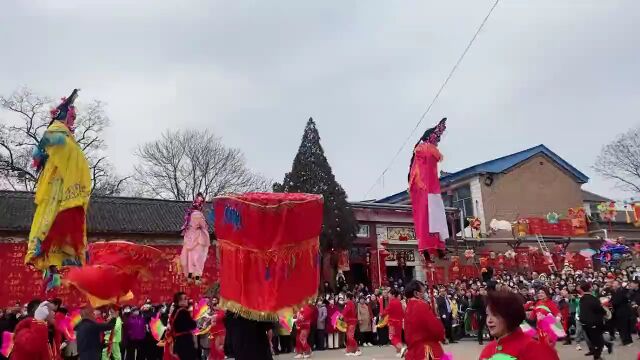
(303, 324)
(395, 312)
(544, 306)
(350, 316)
(505, 313)
(422, 329)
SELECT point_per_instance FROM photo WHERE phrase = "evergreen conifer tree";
(311, 173)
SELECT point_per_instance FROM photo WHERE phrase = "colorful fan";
(286, 321)
(552, 327)
(7, 344)
(447, 356)
(200, 309)
(74, 318)
(527, 329)
(383, 322)
(64, 325)
(156, 327)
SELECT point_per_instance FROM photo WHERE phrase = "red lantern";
(483, 262)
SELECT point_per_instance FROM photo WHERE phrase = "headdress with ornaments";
(66, 111)
(431, 136)
(197, 205)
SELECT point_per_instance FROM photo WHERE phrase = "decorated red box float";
(269, 251)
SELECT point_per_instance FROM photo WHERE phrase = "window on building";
(460, 198)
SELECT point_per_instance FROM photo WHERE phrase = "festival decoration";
(553, 218)
(527, 329)
(113, 270)
(510, 254)
(636, 214)
(156, 327)
(492, 255)
(58, 232)
(469, 254)
(102, 284)
(196, 240)
(269, 244)
(474, 225)
(578, 219)
(7, 344)
(607, 211)
(533, 250)
(588, 253)
(520, 228)
(424, 188)
(612, 252)
(455, 263)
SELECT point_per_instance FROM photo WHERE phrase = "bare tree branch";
(620, 161)
(182, 163)
(24, 121)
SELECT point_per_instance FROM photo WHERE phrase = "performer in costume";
(543, 307)
(303, 325)
(58, 234)
(505, 313)
(423, 331)
(31, 336)
(196, 240)
(395, 312)
(217, 333)
(350, 317)
(424, 188)
(178, 336)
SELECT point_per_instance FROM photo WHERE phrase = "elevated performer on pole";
(424, 188)
(196, 241)
(58, 235)
(270, 263)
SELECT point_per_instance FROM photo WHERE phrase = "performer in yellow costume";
(58, 234)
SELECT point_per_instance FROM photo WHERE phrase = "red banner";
(20, 284)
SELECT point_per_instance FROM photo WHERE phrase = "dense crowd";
(461, 307)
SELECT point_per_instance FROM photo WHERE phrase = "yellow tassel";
(258, 315)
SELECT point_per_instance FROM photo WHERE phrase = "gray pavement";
(470, 350)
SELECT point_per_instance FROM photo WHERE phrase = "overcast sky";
(560, 73)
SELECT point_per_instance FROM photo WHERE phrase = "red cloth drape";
(269, 246)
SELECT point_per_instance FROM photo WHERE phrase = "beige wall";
(534, 188)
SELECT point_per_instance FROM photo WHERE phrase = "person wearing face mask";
(321, 324)
(364, 322)
(505, 313)
(135, 334)
(31, 336)
(333, 339)
(423, 331)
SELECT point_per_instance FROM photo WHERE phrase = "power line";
(435, 98)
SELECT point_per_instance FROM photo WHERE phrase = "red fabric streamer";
(269, 251)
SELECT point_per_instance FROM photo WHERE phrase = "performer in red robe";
(31, 336)
(424, 188)
(303, 324)
(505, 313)
(395, 312)
(422, 329)
(217, 334)
(350, 316)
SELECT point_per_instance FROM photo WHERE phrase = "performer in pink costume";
(196, 240)
(424, 187)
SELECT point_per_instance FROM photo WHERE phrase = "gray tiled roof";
(105, 214)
